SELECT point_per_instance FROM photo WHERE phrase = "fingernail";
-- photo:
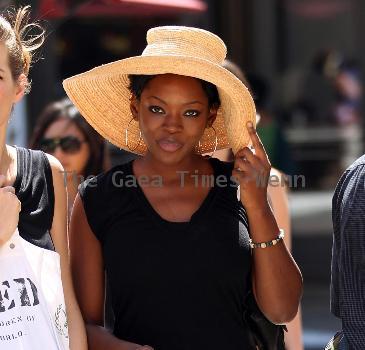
(249, 124)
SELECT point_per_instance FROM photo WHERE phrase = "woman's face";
(173, 113)
(76, 160)
(10, 91)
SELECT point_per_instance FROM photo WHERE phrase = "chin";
(169, 158)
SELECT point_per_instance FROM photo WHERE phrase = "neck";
(171, 171)
(4, 154)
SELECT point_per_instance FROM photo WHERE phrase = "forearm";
(276, 277)
(76, 328)
(76, 325)
(100, 339)
(294, 338)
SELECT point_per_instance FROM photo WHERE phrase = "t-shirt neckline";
(195, 217)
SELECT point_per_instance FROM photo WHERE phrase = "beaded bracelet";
(268, 244)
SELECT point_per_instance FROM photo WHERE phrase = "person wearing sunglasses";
(68, 144)
(63, 132)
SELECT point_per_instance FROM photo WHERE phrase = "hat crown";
(185, 41)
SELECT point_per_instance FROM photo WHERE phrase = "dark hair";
(139, 82)
(99, 159)
(20, 38)
(261, 91)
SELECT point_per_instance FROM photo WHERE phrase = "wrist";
(270, 243)
(259, 210)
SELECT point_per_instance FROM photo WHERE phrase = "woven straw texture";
(103, 98)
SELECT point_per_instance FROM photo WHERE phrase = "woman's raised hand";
(252, 171)
(10, 207)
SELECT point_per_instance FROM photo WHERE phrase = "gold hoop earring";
(215, 146)
(126, 137)
(216, 142)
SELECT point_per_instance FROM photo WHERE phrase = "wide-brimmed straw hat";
(103, 98)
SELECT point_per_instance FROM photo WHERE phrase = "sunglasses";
(68, 144)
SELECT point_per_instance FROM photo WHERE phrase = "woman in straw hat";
(179, 251)
(33, 203)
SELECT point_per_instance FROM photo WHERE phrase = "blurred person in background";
(269, 129)
(63, 132)
(32, 200)
(331, 91)
(278, 197)
(348, 94)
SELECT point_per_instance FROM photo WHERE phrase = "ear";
(212, 115)
(20, 88)
(134, 107)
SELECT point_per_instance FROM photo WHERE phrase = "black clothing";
(34, 188)
(174, 286)
(348, 254)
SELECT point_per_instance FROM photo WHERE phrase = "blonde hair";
(21, 38)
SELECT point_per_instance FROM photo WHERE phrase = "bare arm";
(276, 279)
(76, 326)
(88, 275)
(279, 202)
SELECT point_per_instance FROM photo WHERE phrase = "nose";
(58, 153)
(173, 122)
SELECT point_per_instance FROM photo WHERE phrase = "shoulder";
(55, 165)
(58, 173)
(106, 188)
(59, 181)
(353, 177)
(35, 173)
(104, 197)
(275, 172)
(105, 182)
(350, 189)
(38, 161)
(277, 186)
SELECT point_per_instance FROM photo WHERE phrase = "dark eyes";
(188, 113)
(156, 109)
(191, 113)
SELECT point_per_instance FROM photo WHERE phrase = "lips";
(169, 144)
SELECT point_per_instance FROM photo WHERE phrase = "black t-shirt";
(34, 188)
(174, 286)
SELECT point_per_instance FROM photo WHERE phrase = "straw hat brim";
(103, 98)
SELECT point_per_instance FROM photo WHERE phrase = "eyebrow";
(187, 103)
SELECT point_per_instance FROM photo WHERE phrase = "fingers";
(248, 155)
(249, 167)
(243, 165)
(256, 142)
